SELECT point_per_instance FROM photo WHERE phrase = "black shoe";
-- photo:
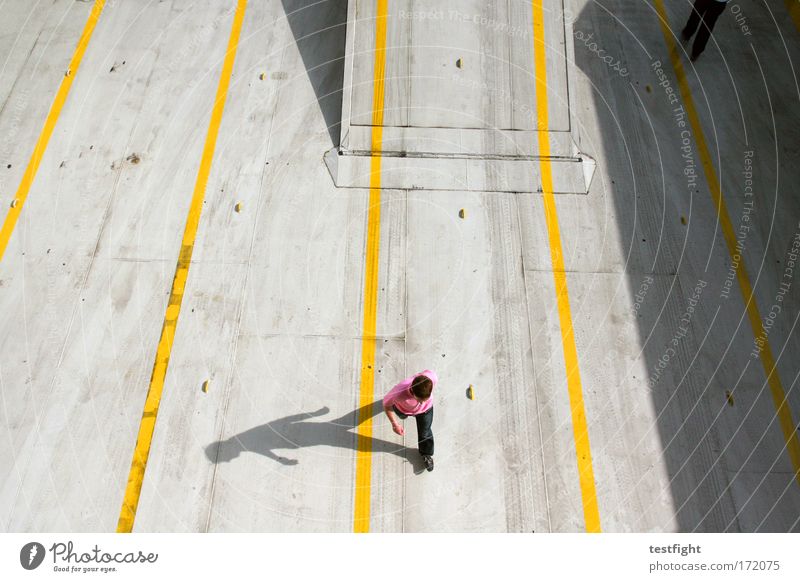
(428, 460)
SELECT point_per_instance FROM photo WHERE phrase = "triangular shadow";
(319, 28)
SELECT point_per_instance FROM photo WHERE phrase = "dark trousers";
(704, 13)
(424, 432)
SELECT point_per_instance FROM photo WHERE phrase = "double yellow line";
(147, 424)
(164, 350)
(49, 125)
(784, 413)
(367, 386)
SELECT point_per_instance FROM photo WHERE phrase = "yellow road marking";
(148, 422)
(367, 391)
(793, 6)
(49, 125)
(784, 413)
(591, 513)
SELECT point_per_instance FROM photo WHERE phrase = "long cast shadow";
(296, 432)
(319, 29)
(716, 479)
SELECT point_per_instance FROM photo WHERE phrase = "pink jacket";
(401, 397)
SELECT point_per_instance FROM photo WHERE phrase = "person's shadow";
(295, 432)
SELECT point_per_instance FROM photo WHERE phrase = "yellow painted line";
(49, 125)
(583, 453)
(363, 484)
(164, 350)
(784, 413)
(793, 6)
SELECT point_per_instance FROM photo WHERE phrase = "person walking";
(704, 13)
(412, 397)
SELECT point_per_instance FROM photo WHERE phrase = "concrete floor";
(273, 308)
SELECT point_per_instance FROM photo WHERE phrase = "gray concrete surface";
(273, 310)
(459, 104)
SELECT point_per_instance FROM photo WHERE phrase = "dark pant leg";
(398, 413)
(424, 432)
(700, 6)
(707, 25)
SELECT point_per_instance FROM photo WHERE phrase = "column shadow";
(319, 28)
(297, 431)
(728, 469)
